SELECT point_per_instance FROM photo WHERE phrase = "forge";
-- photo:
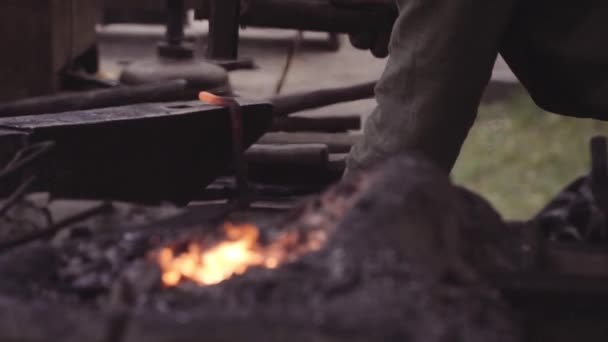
(150, 193)
(394, 253)
(276, 246)
(356, 263)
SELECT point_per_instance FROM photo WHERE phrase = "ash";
(360, 286)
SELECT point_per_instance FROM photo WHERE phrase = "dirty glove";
(377, 39)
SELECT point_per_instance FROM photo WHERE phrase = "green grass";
(519, 157)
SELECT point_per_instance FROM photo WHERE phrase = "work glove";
(376, 39)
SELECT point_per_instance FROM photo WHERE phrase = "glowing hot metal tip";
(237, 140)
(212, 99)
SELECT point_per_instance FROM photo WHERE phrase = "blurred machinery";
(226, 16)
(52, 43)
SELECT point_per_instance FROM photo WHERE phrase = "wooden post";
(41, 38)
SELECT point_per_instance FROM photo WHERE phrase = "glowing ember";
(234, 256)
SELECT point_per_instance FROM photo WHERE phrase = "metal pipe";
(176, 11)
(223, 30)
(120, 96)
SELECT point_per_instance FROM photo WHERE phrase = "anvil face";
(146, 153)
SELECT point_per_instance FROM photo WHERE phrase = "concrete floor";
(314, 66)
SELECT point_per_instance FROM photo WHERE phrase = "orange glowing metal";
(212, 99)
(234, 256)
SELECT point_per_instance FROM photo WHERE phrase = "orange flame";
(234, 256)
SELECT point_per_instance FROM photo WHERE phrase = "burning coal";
(240, 251)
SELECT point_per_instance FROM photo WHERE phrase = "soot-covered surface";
(390, 270)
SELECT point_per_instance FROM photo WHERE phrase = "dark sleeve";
(559, 51)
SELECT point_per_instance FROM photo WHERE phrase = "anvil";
(146, 153)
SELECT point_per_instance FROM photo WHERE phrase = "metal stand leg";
(223, 42)
(174, 45)
(223, 30)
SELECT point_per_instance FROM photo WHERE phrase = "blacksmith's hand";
(376, 38)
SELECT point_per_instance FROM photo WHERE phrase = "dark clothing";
(559, 50)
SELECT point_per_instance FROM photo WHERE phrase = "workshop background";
(517, 155)
(171, 170)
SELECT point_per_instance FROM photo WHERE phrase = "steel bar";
(332, 124)
(295, 154)
(292, 103)
(293, 165)
(237, 131)
(11, 140)
(236, 120)
(25, 161)
(337, 143)
(47, 233)
(16, 196)
(226, 189)
(337, 162)
(159, 92)
(223, 30)
(174, 45)
(176, 13)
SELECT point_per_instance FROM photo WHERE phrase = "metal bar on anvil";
(146, 153)
(175, 90)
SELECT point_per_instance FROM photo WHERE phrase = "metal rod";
(103, 208)
(157, 92)
(292, 103)
(295, 154)
(174, 46)
(17, 195)
(175, 21)
(236, 120)
(223, 30)
(336, 142)
(238, 149)
(326, 124)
